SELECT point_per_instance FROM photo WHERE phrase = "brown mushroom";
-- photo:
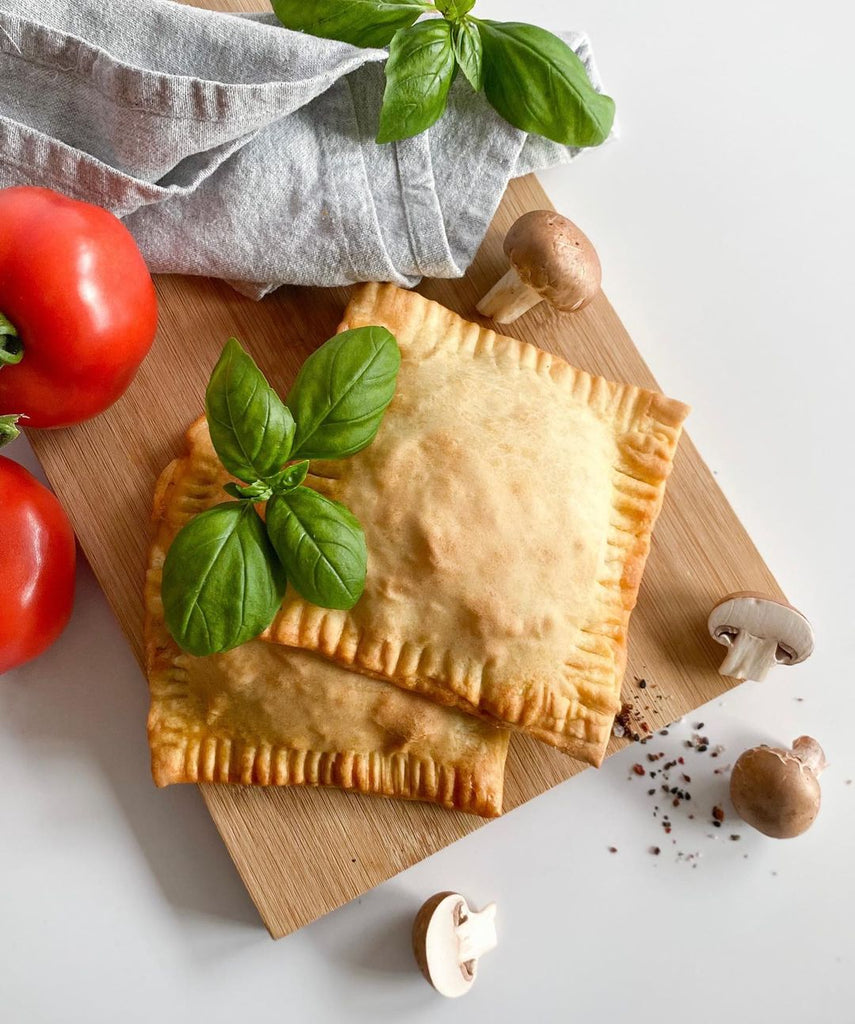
(448, 939)
(550, 259)
(777, 791)
(760, 632)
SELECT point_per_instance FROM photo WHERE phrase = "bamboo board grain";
(302, 853)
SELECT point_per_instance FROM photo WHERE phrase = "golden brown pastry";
(507, 502)
(264, 714)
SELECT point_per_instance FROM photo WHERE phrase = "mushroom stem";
(476, 935)
(508, 299)
(749, 656)
(810, 753)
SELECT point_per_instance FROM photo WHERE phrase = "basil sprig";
(226, 571)
(530, 76)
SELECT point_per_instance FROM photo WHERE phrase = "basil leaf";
(289, 478)
(418, 76)
(535, 81)
(222, 581)
(466, 40)
(360, 22)
(9, 428)
(454, 9)
(321, 545)
(250, 427)
(341, 393)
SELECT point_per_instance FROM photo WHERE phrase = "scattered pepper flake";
(639, 769)
(718, 813)
(612, 849)
(655, 851)
(642, 684)
(735, 837)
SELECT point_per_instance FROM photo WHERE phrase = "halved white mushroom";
(760, 632)
(448, 940)
(551, 260)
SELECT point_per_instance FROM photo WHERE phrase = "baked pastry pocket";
(263, 714)
(508, 502)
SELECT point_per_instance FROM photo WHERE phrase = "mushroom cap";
(436, 945)
(774, 791)
(552, 256)
(764, 617)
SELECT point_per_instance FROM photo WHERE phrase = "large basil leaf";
(535, 81)
(250, 426)
(222, 581)
(360, 22)
(419, 73)
(341, 393)
(468, 52)
(321, 545)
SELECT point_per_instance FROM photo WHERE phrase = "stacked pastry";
(508, 502)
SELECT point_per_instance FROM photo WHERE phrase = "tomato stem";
(11, 346)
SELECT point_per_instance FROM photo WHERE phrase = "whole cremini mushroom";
(777, 791)
(550, 259)
(449, 938)
(760, 632)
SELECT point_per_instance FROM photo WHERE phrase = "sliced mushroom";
(777, 791)
(448, 940)
(550, 259)
(760, 632)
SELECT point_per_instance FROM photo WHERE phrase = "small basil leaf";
(535, 81)
(359, 22)
(259, 491)
(454, 9)
(289, 478)
(468, 52)
(9, 428)
(418, 76)
(321, 545)
(250, 427)
(342, 391)
(222, 581)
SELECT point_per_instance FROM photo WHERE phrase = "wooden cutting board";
(302, 853)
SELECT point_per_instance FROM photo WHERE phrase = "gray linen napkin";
(235, 148)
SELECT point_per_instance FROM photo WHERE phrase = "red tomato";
(36, 566)
(79, 296)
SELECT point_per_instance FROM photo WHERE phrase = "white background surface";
(724, 221)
